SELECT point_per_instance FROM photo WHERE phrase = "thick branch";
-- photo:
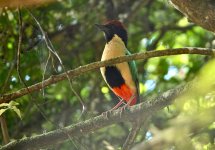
(201, 12)
(86, 68)
(142, 110)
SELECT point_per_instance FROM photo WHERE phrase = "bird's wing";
(133, 68)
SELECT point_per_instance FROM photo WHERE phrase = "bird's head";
(112, 28)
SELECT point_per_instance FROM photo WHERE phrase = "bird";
(121, 78)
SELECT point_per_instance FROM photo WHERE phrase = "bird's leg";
(129, 101)
(114, 108)
(117, 105)
(126, 105)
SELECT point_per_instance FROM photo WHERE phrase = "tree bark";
(200, 12)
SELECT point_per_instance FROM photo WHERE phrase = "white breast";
(116, 48)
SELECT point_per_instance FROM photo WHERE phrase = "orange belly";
(125, 93)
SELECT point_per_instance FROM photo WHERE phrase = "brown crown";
(116, 23)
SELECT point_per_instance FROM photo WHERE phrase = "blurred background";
(69, 25)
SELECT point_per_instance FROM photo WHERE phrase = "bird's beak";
(102, 27)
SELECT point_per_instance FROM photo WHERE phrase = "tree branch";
(5, 135)
(201, 12)
(142, 110)
(132, 135)
(24, 3)
(89, 67)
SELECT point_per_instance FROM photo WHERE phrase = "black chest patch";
(113, 76)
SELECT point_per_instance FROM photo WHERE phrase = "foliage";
(69, 24)
(10, 106)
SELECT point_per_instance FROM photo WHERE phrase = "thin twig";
(19, 44)
(89, 67)
(53, 51)
(5, 84)
(44, 72)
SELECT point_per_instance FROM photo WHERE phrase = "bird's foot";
(107, 113)
(123, 108)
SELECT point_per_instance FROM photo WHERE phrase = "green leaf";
(13, 103)
(4, 105)
(2, 111)
(17, 111)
